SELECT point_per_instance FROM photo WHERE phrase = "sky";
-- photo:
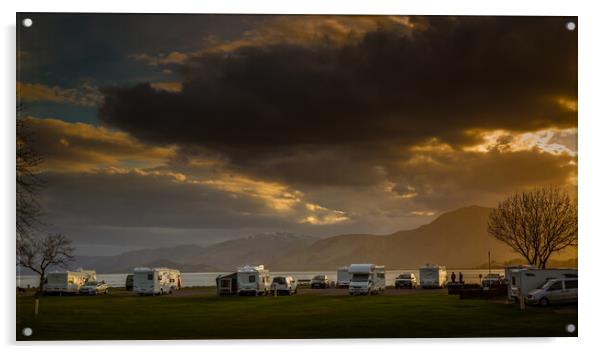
(160, 130)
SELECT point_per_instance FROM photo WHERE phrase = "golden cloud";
(172, 86)
(333, 30)
(78, 147)
(552, 141)
(85, 95)
(174, 57)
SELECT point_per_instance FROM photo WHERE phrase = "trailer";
(227, 284)
(253, 280)
(156, 281)
(343, 277)
(68, 282)
(366, 279)
(522, 280)
(433, 276)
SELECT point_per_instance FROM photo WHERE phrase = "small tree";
(38, 254)
(536, 224)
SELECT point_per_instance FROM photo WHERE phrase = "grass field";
(122, 315)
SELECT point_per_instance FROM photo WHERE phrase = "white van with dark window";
(523, 280)
(284, 285)
(554, 291)
(253, 280)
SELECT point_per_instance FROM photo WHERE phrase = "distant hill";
(456, 239)
(223, 256)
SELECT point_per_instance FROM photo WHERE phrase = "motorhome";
(68, 282)
(153, 281)
(343, 277)
(253, 280)
(366, 279)
(433, 276)
(522, 280)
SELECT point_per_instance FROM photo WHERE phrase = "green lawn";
(121, 315)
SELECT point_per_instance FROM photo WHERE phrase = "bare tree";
(28, 183)
(536, 224)
(38, 254)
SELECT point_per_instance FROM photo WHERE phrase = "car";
(553, 291)
(319, 281)
(94, 288)
(492, 281)
(284, 285)
(129, 282)
(405, 280)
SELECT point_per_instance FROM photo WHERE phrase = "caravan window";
(149, 276)
(251, 278)
(570, 284)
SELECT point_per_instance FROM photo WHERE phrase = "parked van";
(67, 282)
(433, 276)
(343, 277)
(156, 281)
(284, 285)
(253, 280)
(366, 279)
(554, 291)
(523, 280)
(405, 280)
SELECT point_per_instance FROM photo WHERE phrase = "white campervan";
(366, 279)
(343, 277)
(433, 276)
(522, 280)
(67, 282)
(152, 281)
(253, 280)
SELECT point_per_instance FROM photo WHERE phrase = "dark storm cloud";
(450, 180)
(448, 76)
(145, 200)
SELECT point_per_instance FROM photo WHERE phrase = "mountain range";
(456, 239)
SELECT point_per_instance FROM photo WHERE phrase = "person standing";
(461, 277)
(453, 277)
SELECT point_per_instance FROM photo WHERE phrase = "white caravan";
(343, 277)
(522, 280)
(366, 279)
(67, 282)
(253, 280)
(433, 276)
(152, 281)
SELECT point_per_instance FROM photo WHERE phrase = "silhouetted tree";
(536, 224)
(28, 183)
(38, 254)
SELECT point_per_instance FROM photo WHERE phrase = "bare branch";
(536, 224)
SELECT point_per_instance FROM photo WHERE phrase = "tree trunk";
(41, 285)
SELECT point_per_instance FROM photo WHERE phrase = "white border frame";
(589, 128)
